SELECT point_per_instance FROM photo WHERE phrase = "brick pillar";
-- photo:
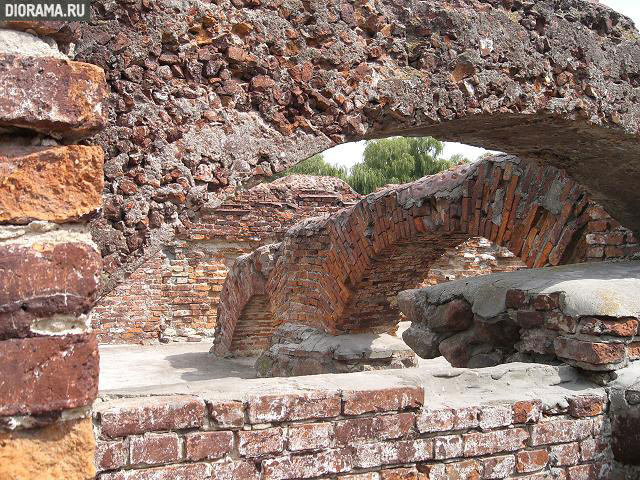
(49, 266)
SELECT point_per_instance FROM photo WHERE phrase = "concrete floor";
(133, 366)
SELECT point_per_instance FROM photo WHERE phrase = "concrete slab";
(136, 366)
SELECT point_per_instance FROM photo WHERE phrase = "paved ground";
(124, 367)
(131, 366)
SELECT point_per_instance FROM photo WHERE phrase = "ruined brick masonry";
(342, 273)
(175, 294)
(50, 266)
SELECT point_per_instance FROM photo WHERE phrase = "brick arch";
(341, 273)
(223, 92)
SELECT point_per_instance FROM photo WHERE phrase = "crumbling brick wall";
(383, 433)
(49, 266)
(175, 294)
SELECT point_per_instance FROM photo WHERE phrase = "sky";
(351, 153)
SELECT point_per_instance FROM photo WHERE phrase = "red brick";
(622, 327)
(494, 416)
(546, 301)
(193, 471)
(129, 416)
(207, 445)
(110, 455)
(293, 406)
(385, 400)
(564, 455)
(559, 322)
(256, 443)
(446, 447)
(466, 470)
(362, 430)
(530, 319)
(307, 466)
(440, 420)
(589, 472)
(593, 449)
(393, 453)
(476, 444)
(402, 474)
(527, 411)
(226, 414)
(633, 351)
(232, 470)
(587, 405)
(310, 436)
(60, 113)
(589, 352)
(560, 431)
(531, 460)
(498, 467)
(154, 448)
(67, 369)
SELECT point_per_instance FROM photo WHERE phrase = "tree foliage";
(389, 161)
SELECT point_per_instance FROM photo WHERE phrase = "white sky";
(350, 153)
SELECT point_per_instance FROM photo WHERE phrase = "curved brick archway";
(207, 96)
(341, 273)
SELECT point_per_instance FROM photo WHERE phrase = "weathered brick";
(226, 414)
(48, 278)
(362, 430)
(392, 452)
(256, 443)
(589, 472)
(445, 447)
(193, 471)
(110, 455)
(498, 467)
(438, 420)
(361, 476)
(207, 445)
(516, 299)
(125, 416)
(293, 406)
(587, 405)
(560, 431)
(310, 436)
(384, 400)
(465, 470)
(154, 448)
(620, 327)
(595, 353)
(402, 474)
(56, 184)
(527, 411)
(531, 460)
(494, 416)
(530, 319)
(68, 102)
(593, 449)
(546, 301)
(564, 455)
(307, 466)
(67, 369)
(476, 444)
(234, 470)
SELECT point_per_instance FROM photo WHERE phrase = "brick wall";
(49, 187)
(342, 273)
(353, 434)
(175, 294)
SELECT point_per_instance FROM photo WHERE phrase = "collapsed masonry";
(206, 96)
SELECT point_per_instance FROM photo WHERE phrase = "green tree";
(391, 160)
(397, 160)
(317, 165)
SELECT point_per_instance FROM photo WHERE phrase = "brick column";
(49, 266)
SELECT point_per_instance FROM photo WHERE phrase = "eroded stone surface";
(300, 350)
(63, 450)
(192, 82)
(57, 184)
(583, 314)
(67, 102)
